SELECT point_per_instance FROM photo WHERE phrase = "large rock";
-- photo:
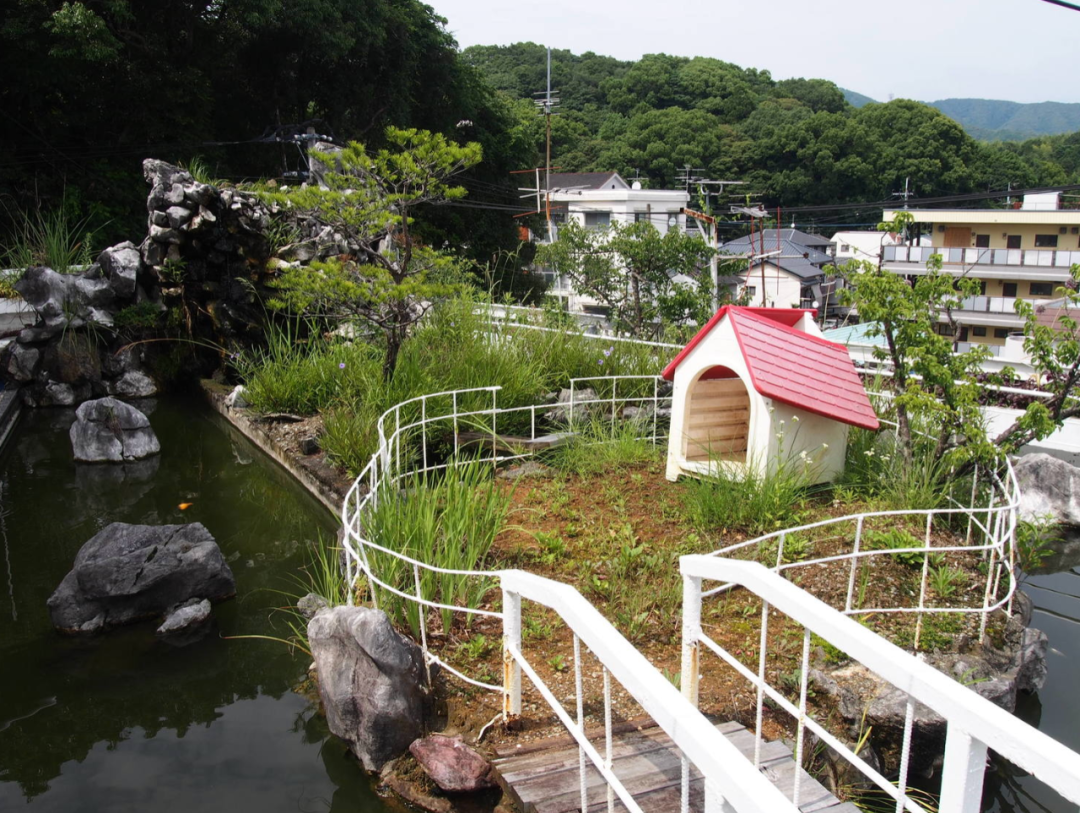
(1049, 487)
(121, 265)
(371, 680)
(126, 573)
(451, 764)
(110, 431)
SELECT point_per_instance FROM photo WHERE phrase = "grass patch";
(448, 521)
(54, 239)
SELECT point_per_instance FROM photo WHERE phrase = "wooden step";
(548, 779)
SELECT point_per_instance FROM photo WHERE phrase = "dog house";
(757, 386)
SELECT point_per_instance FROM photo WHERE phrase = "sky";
(1017, 50)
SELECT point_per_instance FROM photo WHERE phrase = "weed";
(1035, 540)
(54, 239)
(674, 678)
(947, 580)
(477, 647)
(897, 540)
(557, 662)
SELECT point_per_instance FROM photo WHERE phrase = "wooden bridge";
(544, 777)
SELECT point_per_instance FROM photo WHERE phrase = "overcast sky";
(1019, 50)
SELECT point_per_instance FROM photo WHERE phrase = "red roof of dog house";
(790, 366)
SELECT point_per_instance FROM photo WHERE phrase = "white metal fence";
(409, 438)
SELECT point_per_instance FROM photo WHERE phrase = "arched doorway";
(717, 423)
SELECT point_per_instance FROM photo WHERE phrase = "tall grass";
(604, 445)
(447, 521)
(54, 239)
(454, 348)
(743, 498)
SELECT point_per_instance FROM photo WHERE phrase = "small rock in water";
(186, 623)
(451, 764)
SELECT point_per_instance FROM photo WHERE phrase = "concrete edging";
(257, 434)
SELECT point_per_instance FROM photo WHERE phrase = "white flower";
(795, 418)
(824, 445)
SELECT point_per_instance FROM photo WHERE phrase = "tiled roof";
(793, 367)
(582, 180)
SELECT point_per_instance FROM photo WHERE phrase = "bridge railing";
(974, 724)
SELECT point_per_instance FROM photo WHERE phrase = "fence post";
(511, 604)
(962, 774)
(691, 636)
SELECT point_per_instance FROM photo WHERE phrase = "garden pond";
(124, 722)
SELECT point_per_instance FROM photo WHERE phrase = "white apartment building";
(595, 200)
(1018, 253)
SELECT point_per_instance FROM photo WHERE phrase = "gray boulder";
(564, 413)
(121, 265)
(24, 362)
(127, 573)
(451, 764)
(371, 680)
(1048, 487)
(134, 384)
(110, 431)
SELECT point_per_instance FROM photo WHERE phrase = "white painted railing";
(1036, 258)
(990, 528)
(974, 723)
(406, 436)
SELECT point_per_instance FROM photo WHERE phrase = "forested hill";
(797, 141)
(993, 120)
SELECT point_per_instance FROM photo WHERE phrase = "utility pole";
(714, 261)
(547, 103)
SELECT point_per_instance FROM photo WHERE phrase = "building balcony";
(985, 263)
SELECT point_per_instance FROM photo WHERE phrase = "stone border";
(312, 472)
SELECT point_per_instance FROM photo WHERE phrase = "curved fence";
(427, 434)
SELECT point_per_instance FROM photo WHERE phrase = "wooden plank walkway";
(544, 777)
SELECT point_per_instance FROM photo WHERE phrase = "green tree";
(1052, 339)
(629, 268)
(369, 198)
(933, 385)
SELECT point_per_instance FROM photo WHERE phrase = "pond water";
(1053, 710)
(124, 722)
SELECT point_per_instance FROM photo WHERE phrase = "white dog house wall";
(759, 385)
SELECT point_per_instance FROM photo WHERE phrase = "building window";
(1001, 333)
(751, 290)
(1042, 289)
(982, 241)
(1012, 241)
(642, 217)
(597, 220)
(982, 287)
(1046, 241)
(844, 249)
(1008, 289)
(978, 331)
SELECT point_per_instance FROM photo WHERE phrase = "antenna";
(547, 103)
(907, 193)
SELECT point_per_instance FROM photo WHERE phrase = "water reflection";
(124, 721)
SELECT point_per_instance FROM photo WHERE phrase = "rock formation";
(126, 573)
(371, 680)
(110, 431)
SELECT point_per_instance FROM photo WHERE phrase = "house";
(786, 268)
(861, 245)
(760, 386)
(595, 200)
(1017, 253)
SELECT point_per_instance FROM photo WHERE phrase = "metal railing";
(989, 530)
(407, 434)
(1027, 257)
(974, 724)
